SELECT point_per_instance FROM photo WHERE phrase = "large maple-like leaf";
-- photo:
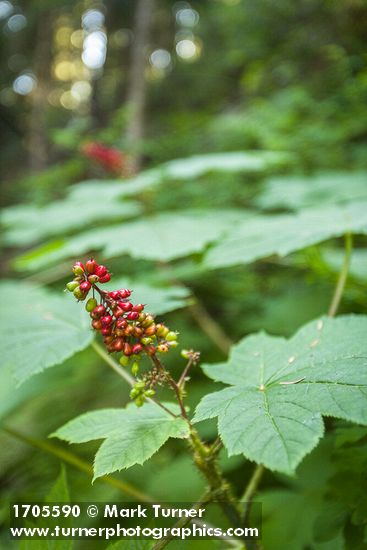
(279, 390)
(131, 435)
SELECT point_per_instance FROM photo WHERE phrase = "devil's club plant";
(271, 412)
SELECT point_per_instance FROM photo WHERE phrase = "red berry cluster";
(125, 327)
(111, 158)
(87, 276)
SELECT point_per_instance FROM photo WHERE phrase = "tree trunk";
(136, 93)
(37, 131)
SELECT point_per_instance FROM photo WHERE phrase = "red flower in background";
(109, 157)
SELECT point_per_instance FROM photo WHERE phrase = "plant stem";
(181, 380)
(78, 463)
(343, 275)
(112, 363)
(125, 375)
(250, 491)
(173, 385)
(205, 457)
(207, 497)
(210, 326)
(204, 499)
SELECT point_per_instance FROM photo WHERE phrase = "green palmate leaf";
(259, 237)
(132, 435)
(29, 224)
(279, 390)
(180, 169)
(163, 237)
(298, 192)
(193, 167)
(39, 329)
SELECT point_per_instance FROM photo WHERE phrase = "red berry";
(91, 265)
(137, 348)
(125, 306)
(124, 293)
(121, 323)
(101, 270)
(105, 278)
(118, 312)
(129, 330)
(114, 294)
(151, 330)
(150, 350)
(106, 320)
(138, 332)
(106, 331)
(118, 344)
(138, 307)
(99, 310)
(127, 349)
(132, 316)
(78, 268)
(96, 324)
(85, 286)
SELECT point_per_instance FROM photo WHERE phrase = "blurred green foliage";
(253, 147)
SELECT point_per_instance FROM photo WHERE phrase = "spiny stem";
(78, 463)
(216, 446)
(204, 455)
(343, 275)
(250, 491)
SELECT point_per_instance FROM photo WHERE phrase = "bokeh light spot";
(24, 84)
(160, 59)
(16, 22)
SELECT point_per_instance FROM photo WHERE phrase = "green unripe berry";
(93, 279)
(79, 294)
(124, 360)
(139, 401)
(146, 341)
(173, 344)
(171, 336)
(91, 304)
(71, 286)
(185, 354)
(78, 270)
(149, 393)
(140, 384)
(162, 331)
(149, 320)
(135, 368)
(134, 393)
